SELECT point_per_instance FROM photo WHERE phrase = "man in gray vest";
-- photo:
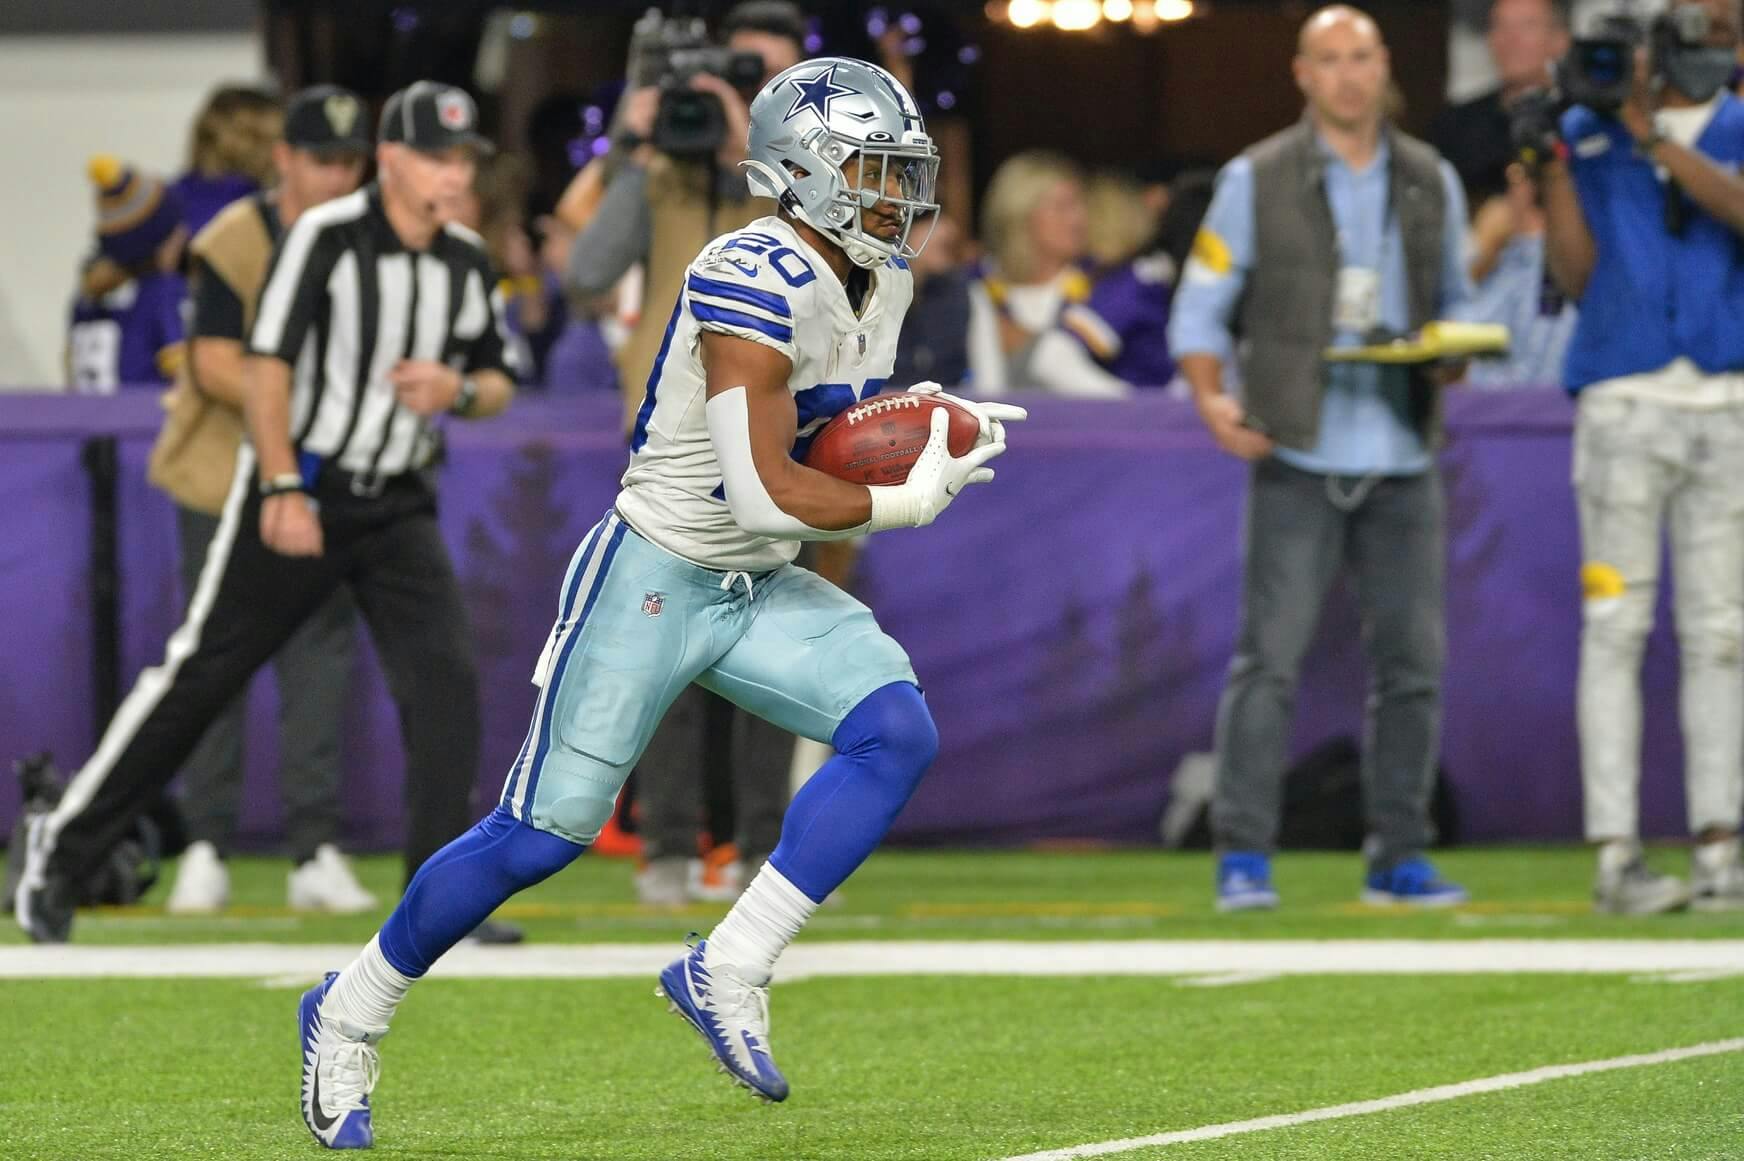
(1338, 228)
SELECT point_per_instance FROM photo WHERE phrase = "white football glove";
(933, 482)
(993, 416)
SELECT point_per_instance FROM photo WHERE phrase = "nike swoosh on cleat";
(322, 1122)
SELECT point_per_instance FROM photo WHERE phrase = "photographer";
(663, 204)
(1644, 213)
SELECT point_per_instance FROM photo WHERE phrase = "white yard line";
(1207, 958)
(1404, 1100)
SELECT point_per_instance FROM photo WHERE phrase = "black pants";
(704, 745)
(314, 680)
(386, 549)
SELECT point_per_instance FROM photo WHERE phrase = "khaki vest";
(194, 458)
(681, 227)
(1285, 317)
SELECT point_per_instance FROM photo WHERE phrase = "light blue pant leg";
(808, 656)
(814, 661)
(636, 625)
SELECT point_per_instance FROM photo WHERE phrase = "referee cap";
(431, 117)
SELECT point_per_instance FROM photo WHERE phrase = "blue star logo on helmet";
(816, 92)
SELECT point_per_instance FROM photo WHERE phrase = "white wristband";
(895, 506)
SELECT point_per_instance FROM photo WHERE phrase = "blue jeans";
(1302, 529)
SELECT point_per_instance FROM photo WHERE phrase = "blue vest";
(1653, 296)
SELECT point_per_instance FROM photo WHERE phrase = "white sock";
(367, 992)
(759, 927)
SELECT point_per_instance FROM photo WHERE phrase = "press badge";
(1357, 308)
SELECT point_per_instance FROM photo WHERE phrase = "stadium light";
(1116, 11)
(1076, 15)
(1027, 13)
(1173, 10)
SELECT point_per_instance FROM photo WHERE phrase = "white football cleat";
(202, 883)
(732, 1017)
(325, 883)
(340, 1070)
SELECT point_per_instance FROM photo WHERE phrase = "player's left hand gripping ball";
(992, 416)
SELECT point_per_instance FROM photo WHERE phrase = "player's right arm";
(752, 423)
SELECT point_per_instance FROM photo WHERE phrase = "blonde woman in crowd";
(1035, 225)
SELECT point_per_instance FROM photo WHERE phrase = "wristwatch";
(462, 405)
(282, 483)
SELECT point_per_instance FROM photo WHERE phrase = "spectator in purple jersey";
(1124, 323)
(127, 327)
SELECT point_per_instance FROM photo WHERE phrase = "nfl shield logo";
(862, 340)
(652, 603)
(454, 109)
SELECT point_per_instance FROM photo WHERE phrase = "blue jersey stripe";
(703, 312)
(640, 435)
(553, 682)
(749, 295)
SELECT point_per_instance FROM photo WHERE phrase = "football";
(877, 440)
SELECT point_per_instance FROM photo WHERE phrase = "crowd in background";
(1097, 285)
(1063, 285)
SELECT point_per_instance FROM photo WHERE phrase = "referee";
(375, 319)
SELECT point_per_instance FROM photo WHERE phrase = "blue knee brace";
(883, 747)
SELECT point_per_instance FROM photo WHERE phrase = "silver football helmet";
(808, 123)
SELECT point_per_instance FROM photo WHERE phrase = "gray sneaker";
(1717, 877)
(1635, 890)
(664, 882)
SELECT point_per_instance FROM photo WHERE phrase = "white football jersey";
(765, 284)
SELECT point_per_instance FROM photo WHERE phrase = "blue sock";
(883, 747)
(460, 885)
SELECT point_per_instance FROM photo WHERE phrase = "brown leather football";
(877, 440)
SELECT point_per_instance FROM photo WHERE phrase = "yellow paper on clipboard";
(1436, 342)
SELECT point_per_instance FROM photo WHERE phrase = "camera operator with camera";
(672, 179)
(1645, 229)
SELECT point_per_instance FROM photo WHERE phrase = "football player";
(779, 327)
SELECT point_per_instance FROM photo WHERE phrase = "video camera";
(668, 52)
(1599, 72)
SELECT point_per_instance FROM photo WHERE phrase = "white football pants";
(1637, 463)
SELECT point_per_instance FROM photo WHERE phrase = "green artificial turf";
(952, 1069)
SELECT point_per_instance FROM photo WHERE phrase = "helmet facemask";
(903, 176)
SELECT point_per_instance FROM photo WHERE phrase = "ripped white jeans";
(1640, 465)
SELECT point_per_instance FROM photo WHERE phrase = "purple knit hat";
(135, 211)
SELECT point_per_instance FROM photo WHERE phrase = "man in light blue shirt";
(1365, 425)
(1329, 234)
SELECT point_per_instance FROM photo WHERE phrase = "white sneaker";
(1717, 877)
(1625, 885)
(719, 883)
(664, 882)
(202, 884)
(325, 883)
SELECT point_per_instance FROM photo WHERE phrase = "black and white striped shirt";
(344, 301)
